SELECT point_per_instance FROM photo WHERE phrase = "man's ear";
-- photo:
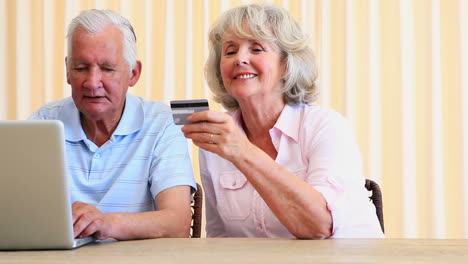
(67, 70)
(135, 74)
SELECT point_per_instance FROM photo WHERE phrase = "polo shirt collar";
(70, 116)
(132, 118)
(131, 121)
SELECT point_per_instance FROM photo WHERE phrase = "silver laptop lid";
(34, 199)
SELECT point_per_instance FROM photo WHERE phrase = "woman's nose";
(242, 59)
(241, 62)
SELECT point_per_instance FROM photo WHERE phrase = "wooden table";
(253, 250)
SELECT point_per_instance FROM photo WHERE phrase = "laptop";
(35, 209)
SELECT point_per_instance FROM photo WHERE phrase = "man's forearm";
(155, 224)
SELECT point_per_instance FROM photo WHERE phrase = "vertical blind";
(397, 69)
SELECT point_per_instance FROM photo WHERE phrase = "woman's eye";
(230, 52)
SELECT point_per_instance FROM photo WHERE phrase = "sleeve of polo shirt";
(171, 165)
(334, 163)
(48, 111)
(39, 115)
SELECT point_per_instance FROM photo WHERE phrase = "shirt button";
(233, 184)
(97, 156)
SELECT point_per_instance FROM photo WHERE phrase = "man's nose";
(94, 79)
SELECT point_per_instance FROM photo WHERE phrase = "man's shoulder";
(53, 109)
(157, 116)
(150, 107)
(155, 107)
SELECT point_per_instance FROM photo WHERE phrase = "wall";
(397, 69)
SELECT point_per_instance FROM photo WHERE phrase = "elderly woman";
(277, 165)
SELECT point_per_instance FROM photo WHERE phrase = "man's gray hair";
(95, 20)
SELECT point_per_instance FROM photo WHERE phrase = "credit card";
(181, 109)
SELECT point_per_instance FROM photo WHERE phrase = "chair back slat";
(376, 198)
(197, 206)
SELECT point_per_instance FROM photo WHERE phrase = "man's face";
(98, 73)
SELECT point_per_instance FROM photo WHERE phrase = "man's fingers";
(79, 225)
(77, 210)
(85, 217)
(90, 229)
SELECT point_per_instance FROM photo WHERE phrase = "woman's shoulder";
(315, 114)
(319, 123)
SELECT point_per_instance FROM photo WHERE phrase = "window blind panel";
(407, 116)
(438, 210)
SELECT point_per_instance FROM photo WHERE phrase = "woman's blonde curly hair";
(271, 24)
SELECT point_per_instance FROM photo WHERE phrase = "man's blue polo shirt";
(146, 154)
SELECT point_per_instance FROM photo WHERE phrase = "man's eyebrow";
(78, 62)
(106, 63)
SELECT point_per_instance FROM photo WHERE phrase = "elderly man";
(130, 171)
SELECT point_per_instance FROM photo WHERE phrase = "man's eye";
(258, 50)
(79, 69)
(108, 69)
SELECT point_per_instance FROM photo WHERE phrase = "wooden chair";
(197, 206)
(376, 198)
